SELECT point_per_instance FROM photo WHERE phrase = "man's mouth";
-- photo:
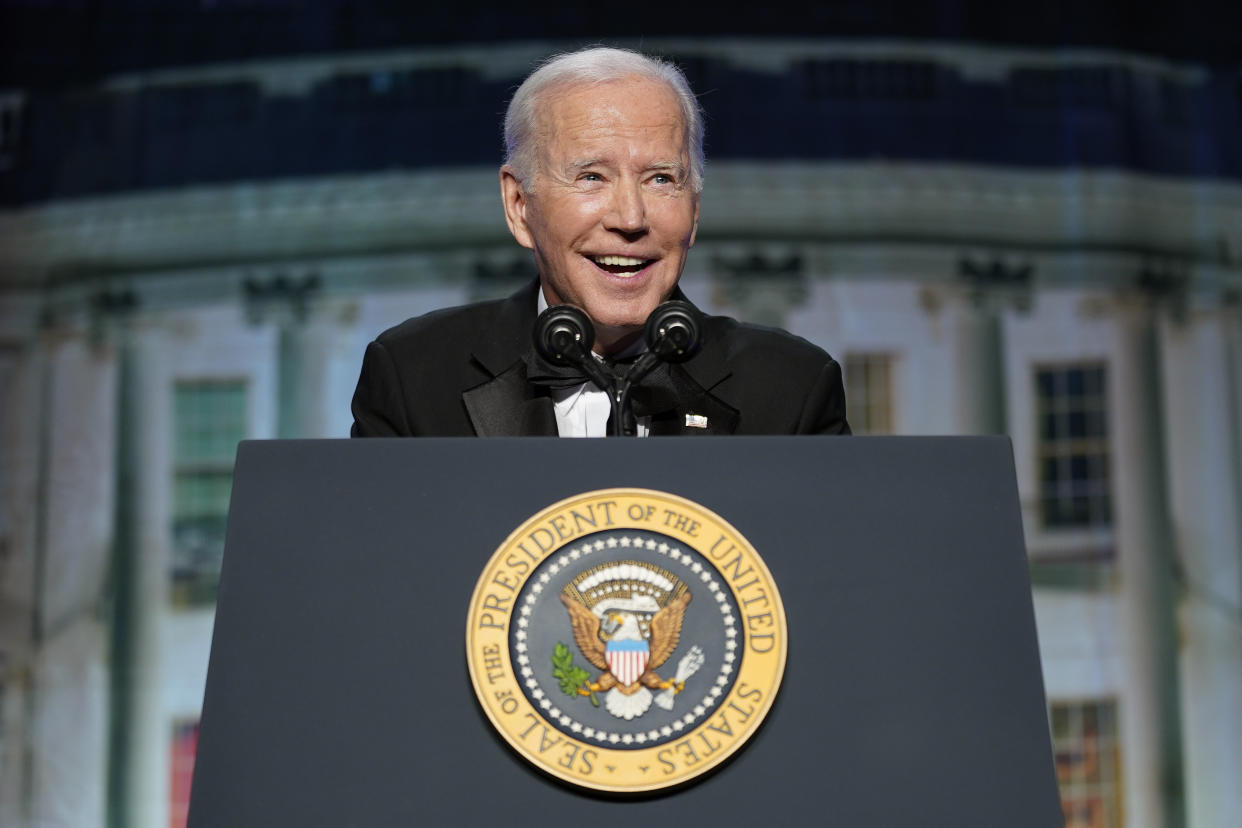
(620, 265)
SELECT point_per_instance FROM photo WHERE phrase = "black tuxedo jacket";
(462, 372)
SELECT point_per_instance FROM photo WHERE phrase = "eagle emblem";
(626, 619)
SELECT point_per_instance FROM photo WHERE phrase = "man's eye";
(592, 177)
(663, 178)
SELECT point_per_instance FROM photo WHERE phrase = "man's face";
(611, 215)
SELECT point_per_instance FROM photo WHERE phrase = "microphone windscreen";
(673, 331)
(563, 334)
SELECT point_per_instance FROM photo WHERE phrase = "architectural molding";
(286, 296)
(1192, 224)
(513, 59)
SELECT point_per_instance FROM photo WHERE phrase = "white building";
(1093, 314)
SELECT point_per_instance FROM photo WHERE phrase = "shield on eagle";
(627, 660)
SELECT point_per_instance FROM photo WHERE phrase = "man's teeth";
(619, 261)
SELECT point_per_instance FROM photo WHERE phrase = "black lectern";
(338, 693)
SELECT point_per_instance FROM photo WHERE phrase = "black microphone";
(564, 335)
(672, 331)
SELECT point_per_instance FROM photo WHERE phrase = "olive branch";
(573, 678)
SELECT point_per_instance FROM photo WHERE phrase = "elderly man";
(602, 183)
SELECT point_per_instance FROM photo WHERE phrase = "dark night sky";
(58, 43)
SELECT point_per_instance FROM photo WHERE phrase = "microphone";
(564, 335)
(672, 331)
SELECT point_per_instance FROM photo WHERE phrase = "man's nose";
(628, 213)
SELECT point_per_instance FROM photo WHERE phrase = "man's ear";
(515, 203)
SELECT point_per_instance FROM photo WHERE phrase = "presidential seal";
(626, 640)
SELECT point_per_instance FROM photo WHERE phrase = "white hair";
(588, 67)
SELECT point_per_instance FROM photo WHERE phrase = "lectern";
(339, 693)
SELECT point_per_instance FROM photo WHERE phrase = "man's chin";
(622, 315)
(611, 338)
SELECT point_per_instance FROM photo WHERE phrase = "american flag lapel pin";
(696, 421)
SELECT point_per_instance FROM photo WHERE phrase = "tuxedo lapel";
(507, 405)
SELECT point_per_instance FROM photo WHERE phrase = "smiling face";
(611, 214)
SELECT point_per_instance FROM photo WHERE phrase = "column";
(310, 343)
(23, 471)
(986, 286)
(138, 758)
(312, 346)
(1149, 709)
(1201, 355)
(68, 424)
(761, 288)
(978, 347)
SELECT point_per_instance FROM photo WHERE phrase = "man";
(602, 183)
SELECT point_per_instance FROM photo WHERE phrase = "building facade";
(1049, 272)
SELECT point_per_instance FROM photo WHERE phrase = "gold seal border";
(702, 747)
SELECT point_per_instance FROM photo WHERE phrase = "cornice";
(1192, 223)
(249, 223)
(513, 59)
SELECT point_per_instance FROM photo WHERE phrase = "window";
(181, 771)
(1088, 759)
(869, 393)
(1073, 452)
(209, 418)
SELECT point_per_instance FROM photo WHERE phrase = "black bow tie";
(545, 374)
(654, 394)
